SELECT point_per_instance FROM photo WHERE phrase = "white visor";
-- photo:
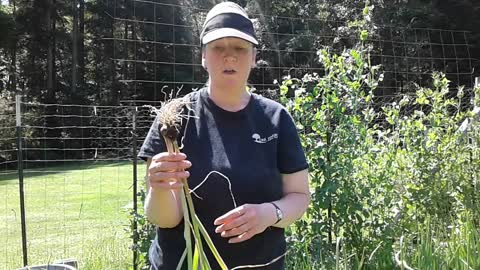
(227, 32)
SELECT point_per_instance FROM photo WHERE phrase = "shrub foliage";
(381, 173)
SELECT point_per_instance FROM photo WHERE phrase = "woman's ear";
(254, 58)
(204, 63)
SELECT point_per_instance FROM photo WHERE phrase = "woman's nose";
(230, 56)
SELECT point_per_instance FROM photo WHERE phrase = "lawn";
(75, 210)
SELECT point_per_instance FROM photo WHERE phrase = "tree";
(81, 44)
(7, 45)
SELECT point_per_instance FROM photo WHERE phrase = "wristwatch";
(278, 212)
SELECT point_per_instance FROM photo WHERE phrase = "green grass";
(440, 248)
(72, 211)
(429, 247)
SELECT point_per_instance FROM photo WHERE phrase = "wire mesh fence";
(75, 169)
(156, 43)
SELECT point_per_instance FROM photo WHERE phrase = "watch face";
(279, 214)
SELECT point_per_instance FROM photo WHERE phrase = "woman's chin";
(230, 81)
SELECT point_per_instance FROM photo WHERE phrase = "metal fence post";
(134, 160)
(18, 100)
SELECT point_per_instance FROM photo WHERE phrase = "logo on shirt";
(258, 139)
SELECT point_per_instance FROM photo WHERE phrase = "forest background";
(402, 190)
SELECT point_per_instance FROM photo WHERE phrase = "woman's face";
(229, 60)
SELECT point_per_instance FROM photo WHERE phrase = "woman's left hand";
(245, 221)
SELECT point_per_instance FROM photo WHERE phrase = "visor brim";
(227, 32)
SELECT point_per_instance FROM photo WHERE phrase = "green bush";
(378, 176)
(334, 114)
(144, 233)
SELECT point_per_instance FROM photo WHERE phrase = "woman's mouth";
(229, 71)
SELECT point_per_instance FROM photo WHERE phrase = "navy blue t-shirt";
(252, 147)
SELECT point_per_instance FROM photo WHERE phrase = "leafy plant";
(144, 233)
(380, 174)
(334, 114)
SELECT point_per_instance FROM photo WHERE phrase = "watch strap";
(278, 213)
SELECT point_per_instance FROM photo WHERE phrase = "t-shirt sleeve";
(291, 157)
(153, 143)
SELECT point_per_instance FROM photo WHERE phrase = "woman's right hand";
(166, 170)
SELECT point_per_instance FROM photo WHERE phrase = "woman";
(244, 146)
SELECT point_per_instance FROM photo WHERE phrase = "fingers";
(167, 175)
(241, 223)
(166, 184)
(235, 223)
(159, 178)
(237, 212)
(166, 166)
(166, 162)
(166, 170)
(235, 231)
(165, 156)
(242, 237)
(169, 162)
(234, 218)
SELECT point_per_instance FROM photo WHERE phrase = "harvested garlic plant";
(170, 117)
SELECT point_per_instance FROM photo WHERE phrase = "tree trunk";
(31, 85)
(49, 97)
(74, 47)
(13, 83)
(34, 82)
(54, 49)
(267, 8)
(81, 45)
(126, 65)
(114, 95)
